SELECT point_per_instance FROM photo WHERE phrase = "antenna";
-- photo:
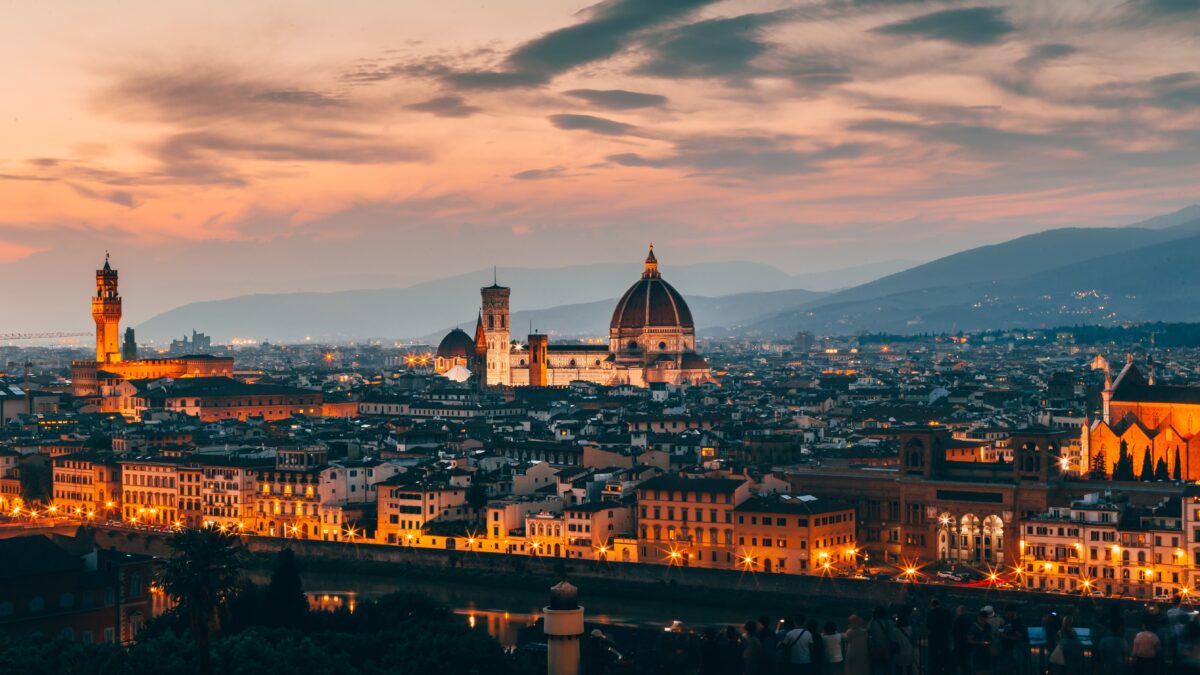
(495, 276)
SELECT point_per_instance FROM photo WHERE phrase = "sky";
(224, 148)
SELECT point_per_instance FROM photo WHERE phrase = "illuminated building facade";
(1142, 418)
(88, 378)
(88, 485)
(150, 490)
(1103, 545)
(796, 534)
(652, 338)
(689, 522)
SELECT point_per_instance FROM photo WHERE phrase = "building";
(689, 521)
(214, 398)
(796, 535)
(1149, 422)
(288, 498)
(652, 338)
(89, 597)
(150, 490)
(409, 504)
(229, 489)
(1103, 545)
(924, 508)
(88, 484)
(110, 365)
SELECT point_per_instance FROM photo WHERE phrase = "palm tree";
(200, 578)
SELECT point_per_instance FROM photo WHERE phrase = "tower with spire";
(106, 312)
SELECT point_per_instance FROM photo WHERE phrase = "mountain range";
(1141, 272)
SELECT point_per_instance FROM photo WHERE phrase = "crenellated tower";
(496, 335)
(106, 311)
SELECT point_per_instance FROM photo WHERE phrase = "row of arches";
(970, 539)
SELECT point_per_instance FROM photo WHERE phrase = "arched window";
(597, 363)
(572, 363)
(662, 345)
(522, 361)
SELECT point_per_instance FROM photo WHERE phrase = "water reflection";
(330, 601)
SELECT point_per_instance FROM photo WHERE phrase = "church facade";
(652, 338)
(1149, 422)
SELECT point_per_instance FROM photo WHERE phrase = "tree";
(1178, 466)
(1099, 468)
(1147, 472)
(1160, 470)
(200, 577)
(286, 603)
(477, 496)
(1124, 467)
(37, 480)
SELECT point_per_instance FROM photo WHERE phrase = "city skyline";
(377, 146)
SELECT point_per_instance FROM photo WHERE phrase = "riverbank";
(737, 595)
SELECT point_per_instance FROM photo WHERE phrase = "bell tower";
(106, 311)
(496, 335)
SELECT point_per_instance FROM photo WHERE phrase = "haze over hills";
(429, 307)
(1063, 276)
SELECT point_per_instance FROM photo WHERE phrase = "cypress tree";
(1178, 465)
(1147, 472)
(1160, 470)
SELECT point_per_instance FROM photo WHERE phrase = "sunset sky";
(222, 148)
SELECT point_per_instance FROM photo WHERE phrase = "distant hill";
(1148, 277)
(426, 308)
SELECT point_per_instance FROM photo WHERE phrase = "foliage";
(37, 481)
(285, 599)
(1147, 472)
(1160, 470)
(1177, 474)
(1124, 467)
(201, 576)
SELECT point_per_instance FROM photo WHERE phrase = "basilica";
(652, 338)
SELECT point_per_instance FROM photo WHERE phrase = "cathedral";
(111, 365)
(1146, 421)
(652, 338)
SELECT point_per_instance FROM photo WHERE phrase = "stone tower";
(496, 334)
(538, 361)
(106, 310)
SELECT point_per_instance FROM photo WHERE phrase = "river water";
(505, 611)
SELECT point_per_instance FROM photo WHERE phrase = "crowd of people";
(902, 640)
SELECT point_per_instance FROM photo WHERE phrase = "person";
(1188, 662)
(1177, 616)
(1112, 649)
(1146, 651)
(832, 640)
(767, 634)
(753, 659)
(1014, 642)
(799, 644)
(904, 660)
(979, 638)
(1072, 648)
(939, 623)
(960, 654)
(599, 653)
(731, 647)
(710, 652)
(857, 658)
(783, 648)
(816, 653)
(880, 647)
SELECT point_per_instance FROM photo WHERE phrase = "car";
(951, 576)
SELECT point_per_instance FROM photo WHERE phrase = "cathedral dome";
(651, 303)
(456, 344)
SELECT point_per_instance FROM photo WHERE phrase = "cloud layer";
(812, 134)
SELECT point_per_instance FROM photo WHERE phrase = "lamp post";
(563, 627)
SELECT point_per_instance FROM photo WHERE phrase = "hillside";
(426, 308)
(1145, 283)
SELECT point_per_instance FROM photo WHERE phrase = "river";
(505, 611)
